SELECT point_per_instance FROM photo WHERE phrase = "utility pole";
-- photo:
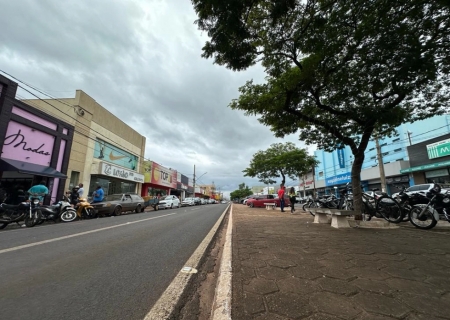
(409, 136)
(380, 165)
(194, 181)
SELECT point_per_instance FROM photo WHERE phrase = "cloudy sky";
(143, 56)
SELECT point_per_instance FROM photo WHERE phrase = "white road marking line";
(79, 234)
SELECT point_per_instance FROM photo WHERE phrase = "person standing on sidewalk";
(292, 198)
(281, 193)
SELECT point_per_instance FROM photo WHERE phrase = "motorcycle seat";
(49, 208)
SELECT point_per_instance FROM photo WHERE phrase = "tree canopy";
(337, 71)
(242, 192)
(280, 160)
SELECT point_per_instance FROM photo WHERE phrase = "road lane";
(115, 273)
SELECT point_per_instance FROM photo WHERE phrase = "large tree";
(242, 192)
(337, 71)
(280, 160)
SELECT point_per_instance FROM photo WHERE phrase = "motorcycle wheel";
(33, 220)
(425, 222)
(68, 216)
(389, 209)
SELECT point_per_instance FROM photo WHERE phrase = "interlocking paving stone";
(253, 303)
(296, 285)
(297, 307)
(380, 304)
(273, 273)
(357, 274)
(261, 286)
(336, 304)
(372, 286)
(280, 263)
(254, 263)
(337, 286)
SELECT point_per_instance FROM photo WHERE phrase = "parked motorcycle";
(85, 210)
(407, 201)
(32, 215)
(12, 213)
(61, 210)
(426, 216)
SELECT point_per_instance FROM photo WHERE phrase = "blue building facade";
(335, 167)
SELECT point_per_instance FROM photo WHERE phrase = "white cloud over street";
(142, 61)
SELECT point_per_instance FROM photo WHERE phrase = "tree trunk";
(356, 183)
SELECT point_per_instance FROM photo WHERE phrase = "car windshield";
(113, 197)
(168, 198)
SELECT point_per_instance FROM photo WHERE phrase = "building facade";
(105, 150)
(34, 146)
(334, 169)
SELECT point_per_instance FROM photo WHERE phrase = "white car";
(188, 202)
(169, 202)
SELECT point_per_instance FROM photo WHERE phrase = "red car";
(268, 198)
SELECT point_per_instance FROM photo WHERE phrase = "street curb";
(222, 301)
(171, 299)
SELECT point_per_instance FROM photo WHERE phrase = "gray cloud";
(140, 60)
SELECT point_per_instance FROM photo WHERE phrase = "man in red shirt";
(281, 193)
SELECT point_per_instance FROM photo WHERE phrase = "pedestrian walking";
(281, 193)
(292, 196)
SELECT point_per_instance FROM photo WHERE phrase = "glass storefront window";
(154, 192)
(111, 185)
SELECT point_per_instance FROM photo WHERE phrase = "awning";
(426, 167)
(29, 168)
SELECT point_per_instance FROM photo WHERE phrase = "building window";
(321, 174)
(374, 157)
(397, 150)
(395, 140)
(74, 179)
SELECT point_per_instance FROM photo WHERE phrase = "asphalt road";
(108, 268)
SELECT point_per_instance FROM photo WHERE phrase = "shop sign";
(27, 144)
(399, 179)
(438, 149)
(341, 158)
(163, 176)
(339, 179)
(109, 153)
(121, 173)
(436, 173)
(426, 167)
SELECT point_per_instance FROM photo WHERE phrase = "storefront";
(182, 186)
(114, 179)
(158, 180)
(430, 161)
(34, 146)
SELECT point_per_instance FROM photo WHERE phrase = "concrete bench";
(338, 216)
(270, 206)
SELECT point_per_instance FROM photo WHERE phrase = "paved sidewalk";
(286, 267)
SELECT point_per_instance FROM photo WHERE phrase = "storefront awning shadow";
(29, 168)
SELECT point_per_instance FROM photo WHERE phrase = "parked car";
(418, 188)
(197, 201)
(169, 202)
(188, 202)
(268, 198)
(115, 204)
(203, 201)
(248, 198)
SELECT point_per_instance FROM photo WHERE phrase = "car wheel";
(251, 205)
(171, 206)
(138, 209)
(117, 211)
